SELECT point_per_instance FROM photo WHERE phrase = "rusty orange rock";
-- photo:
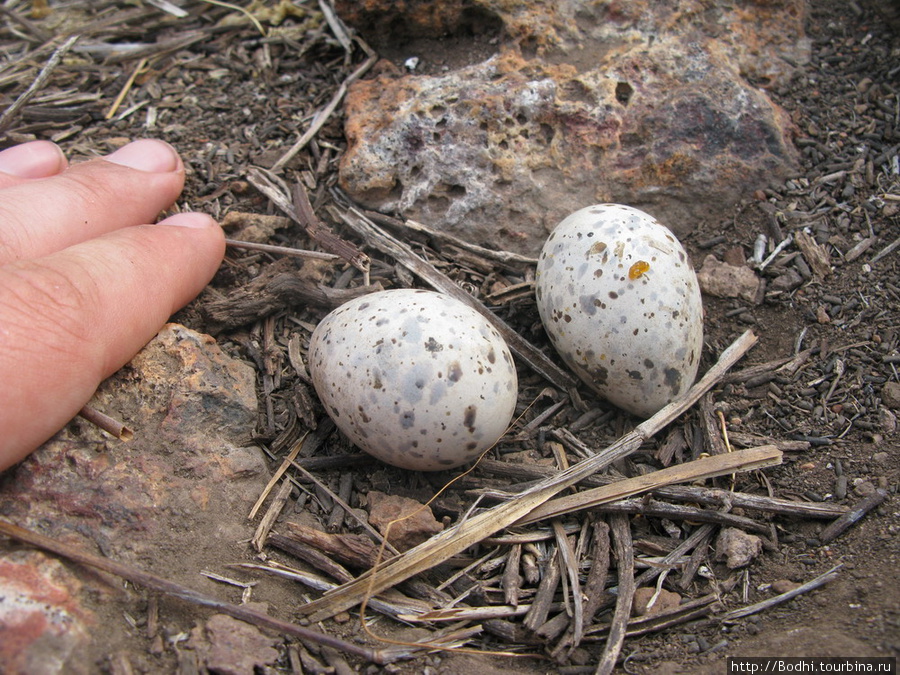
(657, 105)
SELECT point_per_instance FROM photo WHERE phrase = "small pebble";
(840, 487)
(864, 488)
(890, 394)
(783, 586)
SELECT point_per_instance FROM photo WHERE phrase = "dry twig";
(621, 533)
(141, 578)
(848, 519)
(699, 469)
(384, 242)
(821, 580)
(55, 59)
(108, 424)
(452, 541)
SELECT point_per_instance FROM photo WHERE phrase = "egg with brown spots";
(415, 378)
(620, 301)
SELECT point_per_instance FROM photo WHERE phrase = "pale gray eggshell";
(415, 378)
(620, 301)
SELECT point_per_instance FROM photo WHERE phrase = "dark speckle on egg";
(673, 380)
(469, 417)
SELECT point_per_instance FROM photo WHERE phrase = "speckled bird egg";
(621, 304)
(415, 378)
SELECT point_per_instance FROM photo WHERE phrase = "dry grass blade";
(283, 250)
(667, 618)
(55, 59)
(506, 258)
(274, 510)
(469, 613)
(452, 541)
(621, 531)
(322, 234)
(285, 465)
(393, 604)
(698, 538)
(301, 212)
(568, 558)
(323, 115)
(699, 469)
(821, 580)
(403, 254)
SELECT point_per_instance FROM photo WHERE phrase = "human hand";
(84, 283)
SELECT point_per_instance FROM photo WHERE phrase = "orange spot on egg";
(638, 269)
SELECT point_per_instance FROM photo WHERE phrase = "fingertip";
(212, 233)
(147, 154)
(191, 219)
(35, 159)
(207, 242)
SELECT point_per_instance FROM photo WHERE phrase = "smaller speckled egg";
(620, 301)
(415, 378)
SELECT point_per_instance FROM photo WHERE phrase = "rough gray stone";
(639, 105)
(737, 548)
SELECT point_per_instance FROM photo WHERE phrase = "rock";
(666, 600)
(418, 522)
(887, 420)
(44, 628)
(644, 104)
(156, 499)
(863, 487)
(784, 585)
(232, 647)
(890, 394)
(727, 281)
(840, 487)
(737, 548)
(254, 227)
(191, 385)
(787, 281)
(735, 257)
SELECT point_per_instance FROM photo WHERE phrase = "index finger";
(72, 318)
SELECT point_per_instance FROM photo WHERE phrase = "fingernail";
(198, 221)
(36, 159)
(147, 155)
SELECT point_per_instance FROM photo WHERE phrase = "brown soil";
(233, 100)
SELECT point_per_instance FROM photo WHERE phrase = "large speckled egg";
(415, 378)
(620, 301)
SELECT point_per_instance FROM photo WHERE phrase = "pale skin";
(85, 281)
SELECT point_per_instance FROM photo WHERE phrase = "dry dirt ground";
(230, 101)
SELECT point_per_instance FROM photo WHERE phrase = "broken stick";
(469, 532)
